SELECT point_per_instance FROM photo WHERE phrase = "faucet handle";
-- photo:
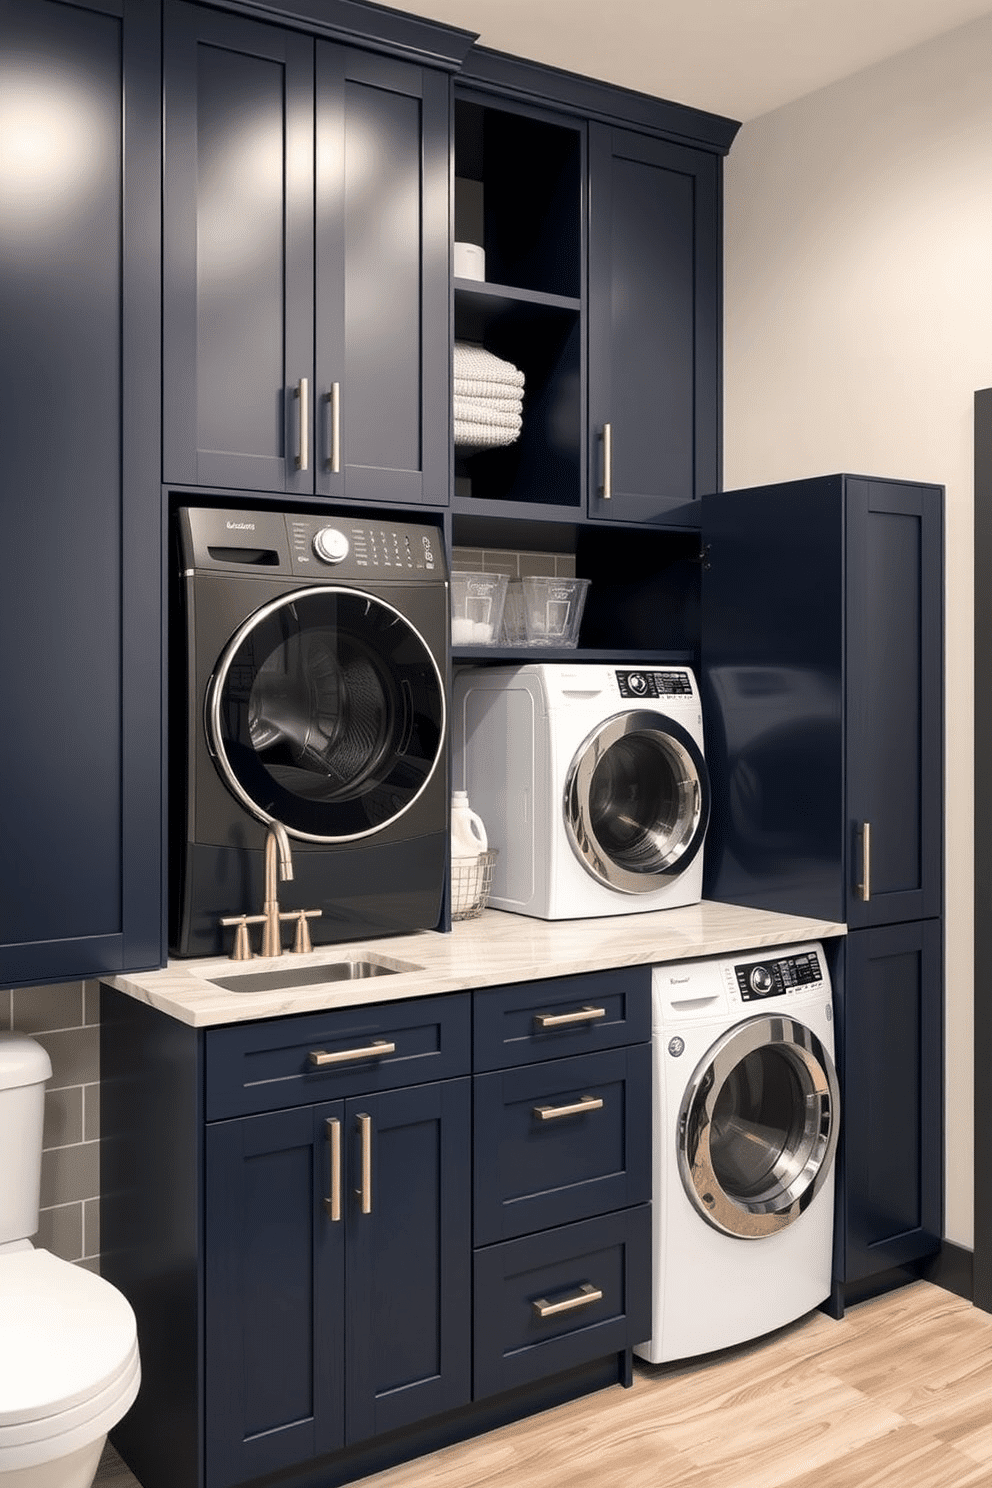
(242, 950)
(302, 943)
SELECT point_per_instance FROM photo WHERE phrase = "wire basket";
(471, 881)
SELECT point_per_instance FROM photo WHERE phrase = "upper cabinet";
(306, 340)
(823, 694)
(80, 750)
(654, 325)
(597, 213)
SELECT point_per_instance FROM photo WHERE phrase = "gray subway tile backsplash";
(518, 563)
(65, 1021)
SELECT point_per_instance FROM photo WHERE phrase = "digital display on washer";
(758, 980)
(654, 684)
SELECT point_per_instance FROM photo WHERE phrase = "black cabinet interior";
(518, 195)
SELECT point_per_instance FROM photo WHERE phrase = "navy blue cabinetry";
(654, 326)
(890, 1204)
(80, 753)
(306, 264)
(822, 644)
(337, 1276)
(288, 1204)
(559, 1140)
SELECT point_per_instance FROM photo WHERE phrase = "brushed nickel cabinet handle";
(333, 1201)
(341, 1056)
(562, 1020)
(576, 1108)
(864, 887)
(585, 1297)
(302, 395)
(606, 490)
(365, 1191)
(334, 404)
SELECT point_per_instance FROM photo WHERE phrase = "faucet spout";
(277, 849)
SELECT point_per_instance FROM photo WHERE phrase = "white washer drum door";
(637, 801)
(758, 1127)
(326, 713)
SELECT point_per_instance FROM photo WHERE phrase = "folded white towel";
(477, 362)
(502, 415)
(471, 435)
(499, 393)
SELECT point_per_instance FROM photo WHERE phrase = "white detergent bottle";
(468, 834)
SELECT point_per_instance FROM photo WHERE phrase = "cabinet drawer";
(537, 1311)
(561, 1141)
(266, 1066)
(561, 1016)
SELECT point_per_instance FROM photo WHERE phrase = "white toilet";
(68, 1342)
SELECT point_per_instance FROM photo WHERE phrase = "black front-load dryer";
(315, 679)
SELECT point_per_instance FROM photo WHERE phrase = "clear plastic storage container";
(477, 608)
(553, 610)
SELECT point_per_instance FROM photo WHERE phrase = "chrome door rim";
(680, 749)
(797, 1181)
(215, 690)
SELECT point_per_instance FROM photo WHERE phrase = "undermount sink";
(285, 978)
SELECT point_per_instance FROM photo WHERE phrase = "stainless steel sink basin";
(282, 978)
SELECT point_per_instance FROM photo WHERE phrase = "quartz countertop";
(495, 949)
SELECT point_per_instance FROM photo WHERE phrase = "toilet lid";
(66, 1336)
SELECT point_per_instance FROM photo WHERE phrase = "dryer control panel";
(655, 684)
(775, 977)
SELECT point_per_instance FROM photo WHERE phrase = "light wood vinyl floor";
(896, 1395)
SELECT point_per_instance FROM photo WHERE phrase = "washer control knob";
(637, 683)
(331, 545)
(760, 980)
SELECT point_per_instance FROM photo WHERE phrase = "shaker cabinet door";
(380, 405)
(654, 260)
(408, 1302)
(273, 1281)
(890, 1016)
(894, 717)
(238, 252)
(80, 760)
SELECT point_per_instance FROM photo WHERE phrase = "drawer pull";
(341, 1056)
(576, 1108)
(587, 1295)
(365, 1192)
(333, 1201)
(562, 1020)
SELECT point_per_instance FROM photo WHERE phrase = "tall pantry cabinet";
(80, 600)
(825, 743)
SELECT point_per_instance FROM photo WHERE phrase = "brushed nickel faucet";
(276, 843)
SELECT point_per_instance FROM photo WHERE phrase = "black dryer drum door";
(758, 1127)
(637, 801)
(326, 713)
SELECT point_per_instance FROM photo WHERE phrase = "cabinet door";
(653, 325)
(80, 890)
(382, 347)
(274, 1275)
(894, 701)
(238, 252)
(408, 1303)
(890, 1007)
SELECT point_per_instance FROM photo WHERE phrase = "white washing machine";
(592, 783)
(746, 1117)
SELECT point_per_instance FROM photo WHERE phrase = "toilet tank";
(24, 1068)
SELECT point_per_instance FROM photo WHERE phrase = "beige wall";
(858, 232)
